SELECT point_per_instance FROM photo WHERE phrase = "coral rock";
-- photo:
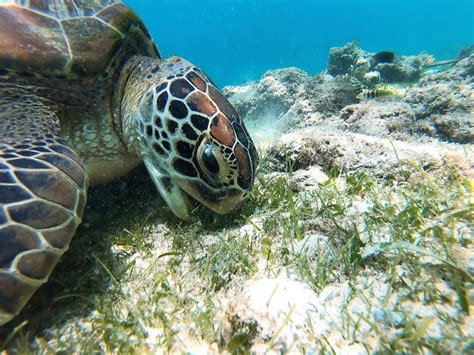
(356, 62)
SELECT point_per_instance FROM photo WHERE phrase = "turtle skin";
(43, 187)
(50, 51)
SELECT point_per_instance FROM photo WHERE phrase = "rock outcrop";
(291, 92)
(354, 61)
(443, 103)
(440, 105)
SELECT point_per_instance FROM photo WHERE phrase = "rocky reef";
(439, 105)
(443, 103)
(367, 67)
(291, 92)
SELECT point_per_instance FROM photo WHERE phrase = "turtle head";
(192, 140)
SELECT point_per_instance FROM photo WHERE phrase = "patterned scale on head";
(188, 131)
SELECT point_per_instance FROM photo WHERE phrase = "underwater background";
(238, 40)
(357, 235)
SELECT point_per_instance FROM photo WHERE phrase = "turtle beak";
(181, 195)
(178, 201)
(221, 202)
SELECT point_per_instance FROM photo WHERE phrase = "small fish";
(384, 57)
(380, 92)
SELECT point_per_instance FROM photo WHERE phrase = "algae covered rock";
(273, 95)
(440, 106)
(328, 95)
(290, 95)
(344, 60)
(382, 119)
(463, 70)
(356, 153)
(354, 61)
(406, 69)
(443, 103)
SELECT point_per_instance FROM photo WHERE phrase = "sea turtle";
(84, 98)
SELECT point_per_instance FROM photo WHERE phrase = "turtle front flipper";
(43, 187)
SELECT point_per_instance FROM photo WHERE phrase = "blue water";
(235, 41)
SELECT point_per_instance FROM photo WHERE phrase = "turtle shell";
(69, 37)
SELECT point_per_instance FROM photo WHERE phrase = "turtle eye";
(209, 160)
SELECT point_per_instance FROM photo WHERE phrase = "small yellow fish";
(379, 92)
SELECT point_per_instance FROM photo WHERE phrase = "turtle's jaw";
(179, 202)
(181, 194)
(219, 201)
